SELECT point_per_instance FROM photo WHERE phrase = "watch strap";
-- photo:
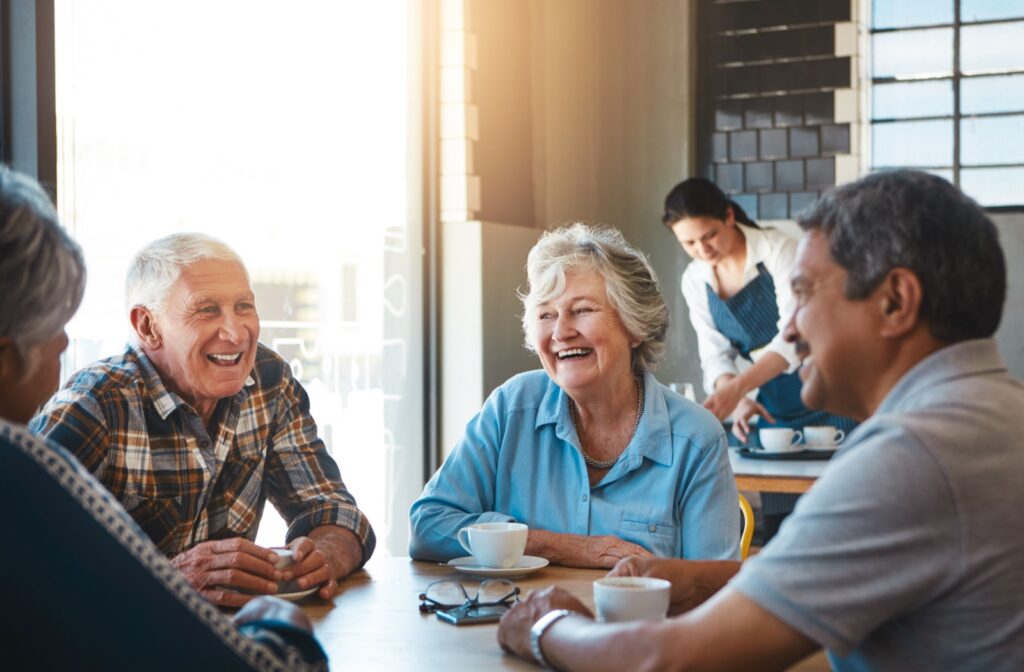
(540, 627)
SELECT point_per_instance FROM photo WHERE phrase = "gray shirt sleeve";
(877, 536)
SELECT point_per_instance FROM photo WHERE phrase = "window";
(292, 132)
(947, 93)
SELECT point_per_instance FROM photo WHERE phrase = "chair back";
(748, 527)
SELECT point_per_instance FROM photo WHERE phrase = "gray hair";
(157, 266)
(630, 281)
(42, 272)
(918, 221)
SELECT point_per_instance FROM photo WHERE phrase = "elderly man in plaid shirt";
(197, 423)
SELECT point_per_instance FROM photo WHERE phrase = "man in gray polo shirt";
(908, 553)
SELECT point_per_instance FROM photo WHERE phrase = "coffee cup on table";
(631, 598)
(780, 440)
(823, 436)
(284, 557)
(496, 545)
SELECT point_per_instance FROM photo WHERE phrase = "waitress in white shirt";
(737, 289)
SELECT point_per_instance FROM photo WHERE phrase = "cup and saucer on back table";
(823, 437)
(497, 550)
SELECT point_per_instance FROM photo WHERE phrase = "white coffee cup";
(631, 598)
(823, 436)
(780, 439)
(284, 557)
(495, 544)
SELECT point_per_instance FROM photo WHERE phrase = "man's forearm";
(583, 644)
(730, 632)
(701, 579)
(342, 547)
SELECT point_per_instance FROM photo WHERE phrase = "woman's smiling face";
(580, 339)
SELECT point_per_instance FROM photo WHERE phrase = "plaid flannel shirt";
(183, 485)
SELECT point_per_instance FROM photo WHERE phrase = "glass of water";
(685, 389)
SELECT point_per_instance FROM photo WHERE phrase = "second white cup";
(495, 544)
(823, 436)
(631, 598)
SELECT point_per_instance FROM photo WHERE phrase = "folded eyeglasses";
(449, 594)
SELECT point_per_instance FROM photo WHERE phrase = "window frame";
(956, 78)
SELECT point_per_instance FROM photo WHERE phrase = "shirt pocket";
(659, 537)
(158, 517)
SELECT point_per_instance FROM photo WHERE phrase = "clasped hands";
(230, 572)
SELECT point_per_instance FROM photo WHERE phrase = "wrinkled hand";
(723, 401)
(323, 558)
(514, 629)
(220, 569)
(311, 568)
(672, 570)
(605, 551)
(746, 409)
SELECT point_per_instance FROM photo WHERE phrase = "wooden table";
(374, 623)
(795, 476)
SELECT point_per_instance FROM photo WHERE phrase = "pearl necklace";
(608, 464)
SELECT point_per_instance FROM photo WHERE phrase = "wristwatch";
(540, 627)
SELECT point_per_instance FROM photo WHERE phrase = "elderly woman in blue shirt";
(598, 458)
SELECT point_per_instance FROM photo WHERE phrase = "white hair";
(630, 282)
(157, 266)
(42, 273)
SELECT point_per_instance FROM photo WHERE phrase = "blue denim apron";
(749, 319)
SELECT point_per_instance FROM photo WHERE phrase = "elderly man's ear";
(899, 298)
(144, 324)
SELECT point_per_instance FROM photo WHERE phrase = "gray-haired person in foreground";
(197, 424)
(83, 587)
(907, 552)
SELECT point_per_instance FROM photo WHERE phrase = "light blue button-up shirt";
(672, 491)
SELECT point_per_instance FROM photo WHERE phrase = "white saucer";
(525, 565)
(292, 597)
(822, 447)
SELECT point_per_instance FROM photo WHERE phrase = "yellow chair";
(748, 527)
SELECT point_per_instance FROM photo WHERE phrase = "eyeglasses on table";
(447, 594)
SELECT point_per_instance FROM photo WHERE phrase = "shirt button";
(652, 528)
(585, 497)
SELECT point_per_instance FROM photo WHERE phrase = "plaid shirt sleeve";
(76, 422)
(304, 480)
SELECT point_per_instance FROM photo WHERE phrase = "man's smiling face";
(834, 335)
(208, 333)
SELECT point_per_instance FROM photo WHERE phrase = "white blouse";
(717, 356)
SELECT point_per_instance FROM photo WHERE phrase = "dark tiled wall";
(767, 131)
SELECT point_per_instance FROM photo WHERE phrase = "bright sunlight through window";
(290, 130)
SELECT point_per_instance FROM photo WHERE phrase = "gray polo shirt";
(908, 553)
